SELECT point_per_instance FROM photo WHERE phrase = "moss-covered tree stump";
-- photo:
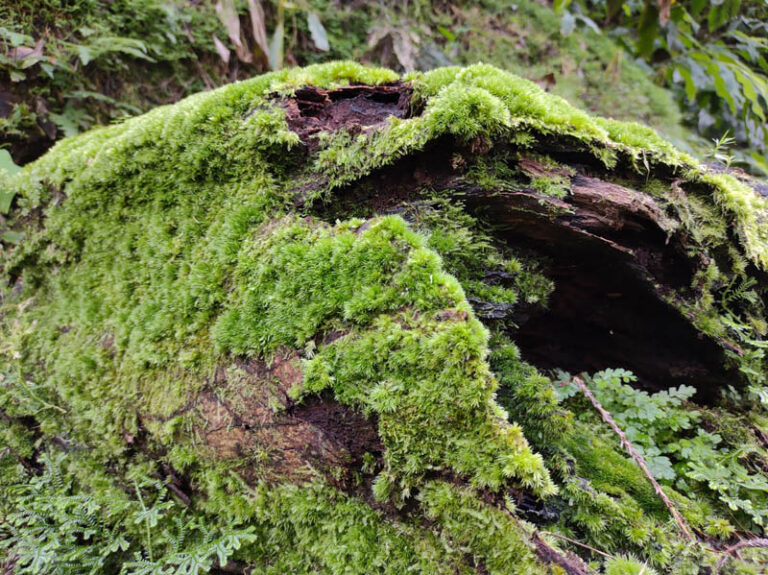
(318, 322)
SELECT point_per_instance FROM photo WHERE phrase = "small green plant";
(667, 431)
(59, 528)
(720, 150)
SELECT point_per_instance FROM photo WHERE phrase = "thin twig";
(762, 543)
(569, 540)
(635, 455)
(176, 490)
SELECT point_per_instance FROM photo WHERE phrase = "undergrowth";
(667, 430)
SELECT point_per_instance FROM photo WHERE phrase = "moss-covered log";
(274, 327)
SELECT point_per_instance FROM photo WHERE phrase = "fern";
(58, 529)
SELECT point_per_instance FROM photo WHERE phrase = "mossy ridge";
(477, 101)
(413, 352)
(365, 250)
(481, 101)
(604, 499)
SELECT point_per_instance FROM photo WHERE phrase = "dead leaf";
(665, 7)
(317, 31)
(547, 81)
(24, 52)
(377, 34)
(225, 9)
(258, 25)
(276, 51)
(404, 45)
(43, 119)
(221, 49)
(188, 33)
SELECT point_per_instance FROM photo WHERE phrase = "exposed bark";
(247, 410)
(354, 108)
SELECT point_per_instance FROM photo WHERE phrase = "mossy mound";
(290, 303)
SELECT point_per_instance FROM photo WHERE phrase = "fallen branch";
(568, 562)
(635, 455)
(762, 543)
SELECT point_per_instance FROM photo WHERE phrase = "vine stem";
(639, 459)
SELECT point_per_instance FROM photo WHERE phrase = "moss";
(423, 371)
(482, 100)
(470, 253)
(168, 247)
(627, 566)
(489, 535)
(556, 186)
(747, 209)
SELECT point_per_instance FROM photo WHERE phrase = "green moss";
(477, 101)
(483, 101)
(627, 566)
(747, 209)
(422, 371)
(164, 248)
(556, 186)
(489, 535)
(470, 253)
(82, 520)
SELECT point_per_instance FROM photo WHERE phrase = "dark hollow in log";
(610, 250)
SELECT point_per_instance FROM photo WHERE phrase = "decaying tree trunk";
(617, 255)
(623, 239)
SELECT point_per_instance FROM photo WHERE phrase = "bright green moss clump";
(413, 352)
(160, 251)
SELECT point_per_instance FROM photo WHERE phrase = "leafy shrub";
(713, 52)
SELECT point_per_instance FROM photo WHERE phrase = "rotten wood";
(355, 108)
(618, 259)
(246, 409)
